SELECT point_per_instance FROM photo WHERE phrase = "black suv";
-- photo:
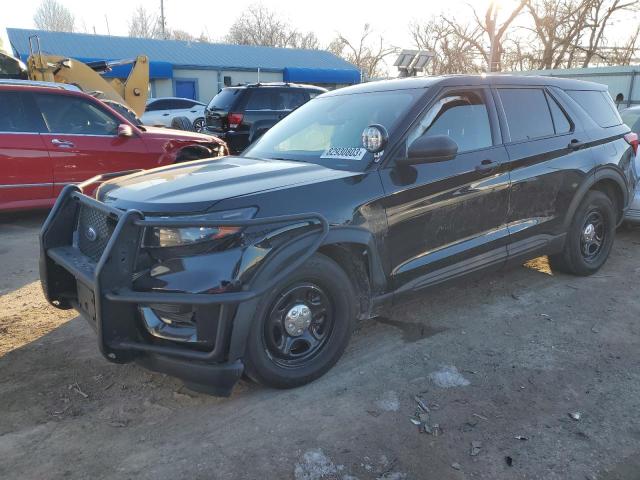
(240, 115)
(262, 263)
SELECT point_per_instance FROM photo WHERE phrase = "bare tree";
(600, 15)
(452, 53)
(366, 53)
(557, 26)
(144, 24)
(626, 53)
(182, 35)
(52, 15)
(258, 25)
(486, 34)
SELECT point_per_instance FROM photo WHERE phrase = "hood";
(173, 134)
(196, 186)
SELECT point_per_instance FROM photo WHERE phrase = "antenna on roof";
(258, 75)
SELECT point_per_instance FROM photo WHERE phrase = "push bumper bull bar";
(103, 291)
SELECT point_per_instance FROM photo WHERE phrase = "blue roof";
(321, 75)
(181, 54)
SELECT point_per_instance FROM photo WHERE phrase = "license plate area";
(86, 301)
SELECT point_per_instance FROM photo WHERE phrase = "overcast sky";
(325, 18)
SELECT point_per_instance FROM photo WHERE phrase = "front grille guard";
(111, 277)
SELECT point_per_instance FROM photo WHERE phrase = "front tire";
(589, 238)
(302, 325)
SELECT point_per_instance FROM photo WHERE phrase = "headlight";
(171, 237)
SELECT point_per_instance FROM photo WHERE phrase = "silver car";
(161, 111)
(631, 117)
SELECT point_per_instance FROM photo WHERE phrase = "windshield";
(328, 129)
(224, 99)
(630, 117)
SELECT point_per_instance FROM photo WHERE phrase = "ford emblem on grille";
(91, 234)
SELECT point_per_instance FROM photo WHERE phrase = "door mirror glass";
(125, 130)
(430, 149)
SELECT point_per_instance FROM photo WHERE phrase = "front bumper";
(102, 290)
(236, 141)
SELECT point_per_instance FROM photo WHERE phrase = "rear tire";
(181, 123)
(284, 354)
(589, 238)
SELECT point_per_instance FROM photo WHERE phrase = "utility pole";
(164, 37)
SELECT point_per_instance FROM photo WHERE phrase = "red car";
(51, 136)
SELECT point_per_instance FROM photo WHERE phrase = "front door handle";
(62, 143)
(486, 165)
(575, 144)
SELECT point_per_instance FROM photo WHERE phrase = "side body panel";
(545, 176)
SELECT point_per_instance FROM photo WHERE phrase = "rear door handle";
(486, 165)
(62, 143)
(575, 144)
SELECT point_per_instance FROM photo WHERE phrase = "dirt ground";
(530, 347)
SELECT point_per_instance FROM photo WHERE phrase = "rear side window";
(292, 99)
(178, 104)
(527, 113)
(16, 116)
(225, 99)
(598, 106)
(157, 105)
(560, 121)
(262, 99)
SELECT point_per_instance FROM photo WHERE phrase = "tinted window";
(291, 99)
(462, 116)
(178, 104)
(15, 116)
(263, 99)
(314, 93)
(76, 116)
(598, 105)
(527, 113)
(560, 121)
(225, 99)
(630, 117)
(157, 105)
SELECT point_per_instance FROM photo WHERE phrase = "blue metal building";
(194, 69)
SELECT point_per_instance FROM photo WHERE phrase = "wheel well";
(193, 152)
(353, 259)
(612, 190)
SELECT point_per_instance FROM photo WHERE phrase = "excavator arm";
(131, 92)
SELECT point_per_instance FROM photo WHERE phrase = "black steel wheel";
(590, 236)
(302, 326)
(593, 235)
(299, 324)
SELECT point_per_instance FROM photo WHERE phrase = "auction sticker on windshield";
(344, 153)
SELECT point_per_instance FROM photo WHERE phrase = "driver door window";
(69, 115)
(463, 116)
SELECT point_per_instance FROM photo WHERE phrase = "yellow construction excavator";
(130, 94)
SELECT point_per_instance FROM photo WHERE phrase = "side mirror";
(430, 149)
(125, 130)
